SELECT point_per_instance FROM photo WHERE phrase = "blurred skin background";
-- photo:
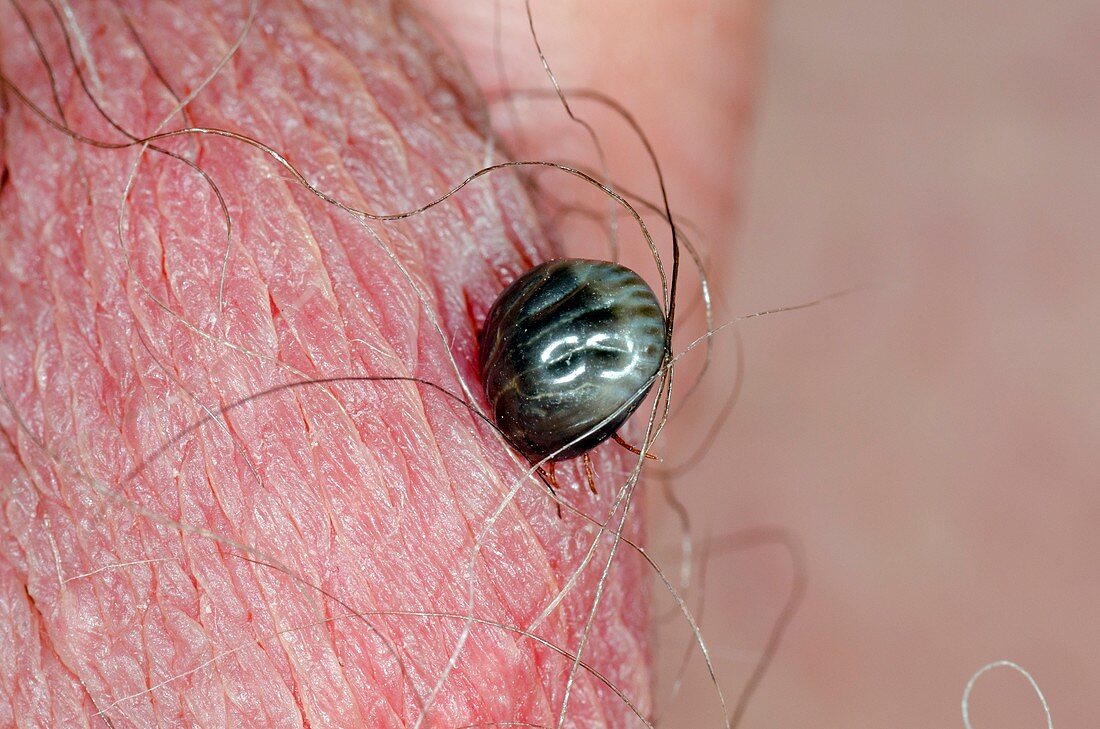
(931, 440)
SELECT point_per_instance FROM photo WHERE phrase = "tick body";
(567, 345)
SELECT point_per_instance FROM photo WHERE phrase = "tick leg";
(549, 477)
(631, 448)
(589, 473)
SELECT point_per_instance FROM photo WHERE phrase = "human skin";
(931, 439)
(301, 559)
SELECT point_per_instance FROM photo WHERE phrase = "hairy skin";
(152, 574)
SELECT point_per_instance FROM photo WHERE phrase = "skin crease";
(618, 637)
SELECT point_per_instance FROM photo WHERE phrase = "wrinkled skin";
(246, 572)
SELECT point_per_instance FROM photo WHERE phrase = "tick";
(567, 353)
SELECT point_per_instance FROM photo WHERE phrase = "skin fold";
(338, 554)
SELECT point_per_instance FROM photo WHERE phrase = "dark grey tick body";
(569, 344)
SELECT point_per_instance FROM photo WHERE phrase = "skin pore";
(347, 553)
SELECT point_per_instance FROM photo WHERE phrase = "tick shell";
(563, 348)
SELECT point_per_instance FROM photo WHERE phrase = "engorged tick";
(568, 345)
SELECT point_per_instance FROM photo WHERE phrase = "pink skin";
(931, 441)
(125, 573)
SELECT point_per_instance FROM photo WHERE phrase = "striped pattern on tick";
(564, 346)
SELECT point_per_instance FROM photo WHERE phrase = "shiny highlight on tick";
(568, 345)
